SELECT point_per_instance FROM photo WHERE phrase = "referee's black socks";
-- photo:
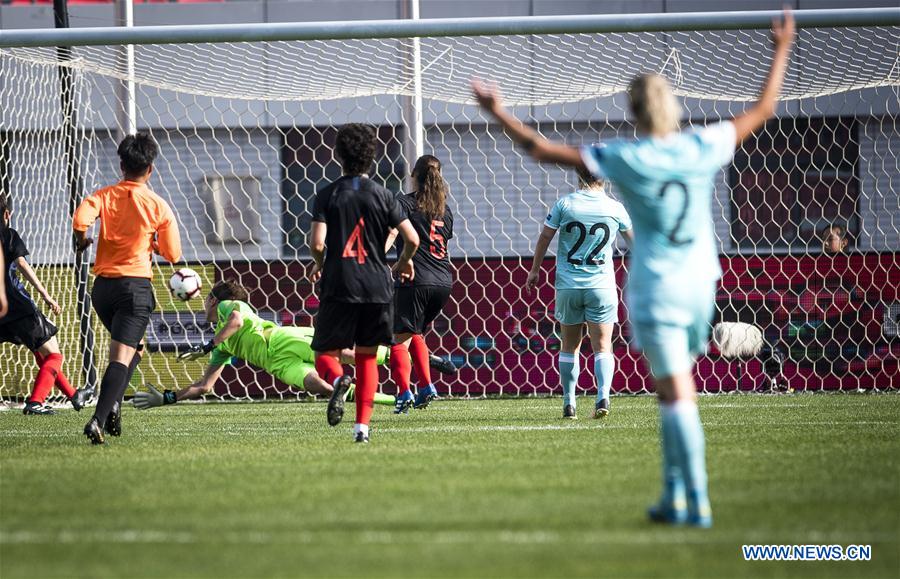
(135, 360)
(113, 384)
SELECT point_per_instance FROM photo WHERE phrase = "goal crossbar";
(492, 26)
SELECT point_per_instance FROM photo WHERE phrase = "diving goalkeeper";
(283, 352)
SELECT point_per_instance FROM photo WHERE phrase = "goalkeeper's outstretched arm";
(198, 389)
(203, 386)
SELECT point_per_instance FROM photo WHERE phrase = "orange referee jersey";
(130, 216)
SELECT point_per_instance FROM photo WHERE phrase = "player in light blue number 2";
(666, 177)
(588, 221)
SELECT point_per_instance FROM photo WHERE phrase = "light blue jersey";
(588, 222)
(667, 186)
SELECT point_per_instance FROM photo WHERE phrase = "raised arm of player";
(755, 117)
(404, 265)
(28, 274)
(541, 149)
(540, 250)
(317, 234)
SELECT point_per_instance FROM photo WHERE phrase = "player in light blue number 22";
(587, 221)
(666, 177)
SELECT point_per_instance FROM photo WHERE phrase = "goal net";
(246, 133)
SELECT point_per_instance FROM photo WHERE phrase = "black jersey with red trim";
(432, 260)
(359, 213)
(20, 303)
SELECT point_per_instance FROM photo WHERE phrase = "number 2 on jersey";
(355, 246)
(673, 235)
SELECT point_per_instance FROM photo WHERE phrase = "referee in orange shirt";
(134, 223)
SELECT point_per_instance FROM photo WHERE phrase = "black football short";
(415, 307)
(342, 325)
(124, 305)
(31, 331)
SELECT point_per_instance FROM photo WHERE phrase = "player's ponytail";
(656, 110)
(586, 180)
(431, 189)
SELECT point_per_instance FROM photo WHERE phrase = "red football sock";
(329, 368)
(61, 381)
(400, 367)
(366, 384)
(46, 377)
(419, 352)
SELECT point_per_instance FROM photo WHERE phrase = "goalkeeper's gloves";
(197, 351)
(153, 398)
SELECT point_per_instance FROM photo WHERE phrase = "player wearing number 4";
(587, 221)
(351, 220)
(667, 180)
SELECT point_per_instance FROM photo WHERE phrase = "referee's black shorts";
(31, 331)
(345, 325)
(415, 307)
(124, 305)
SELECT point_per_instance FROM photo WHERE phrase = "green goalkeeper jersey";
(250, 343)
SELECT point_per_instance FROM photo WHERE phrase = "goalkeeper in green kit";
(283, 352)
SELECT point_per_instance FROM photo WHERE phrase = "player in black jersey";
(25, 324)
(351, 221)
(418, 302)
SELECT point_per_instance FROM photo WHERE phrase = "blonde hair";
(656, 110)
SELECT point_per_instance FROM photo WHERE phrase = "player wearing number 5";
(667, 178)
(418, 302)
(588, 221)
(351, 221)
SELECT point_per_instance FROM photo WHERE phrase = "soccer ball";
(185, 284)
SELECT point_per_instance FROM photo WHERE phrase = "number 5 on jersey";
(438, 245)
(355, 246)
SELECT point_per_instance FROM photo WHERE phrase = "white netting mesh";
(246, 129)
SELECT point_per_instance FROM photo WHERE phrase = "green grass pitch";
(486, 488)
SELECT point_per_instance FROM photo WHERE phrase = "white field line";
(382, 537)
(238, 430)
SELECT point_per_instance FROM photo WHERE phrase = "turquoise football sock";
(604, 368)
(568, 375)
(685, 420)
(673, 480)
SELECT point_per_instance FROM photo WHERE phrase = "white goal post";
(246, 117)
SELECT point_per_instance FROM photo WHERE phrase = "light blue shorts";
(672, 328)
(598, 306)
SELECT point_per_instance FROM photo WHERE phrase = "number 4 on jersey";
(355, 246)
